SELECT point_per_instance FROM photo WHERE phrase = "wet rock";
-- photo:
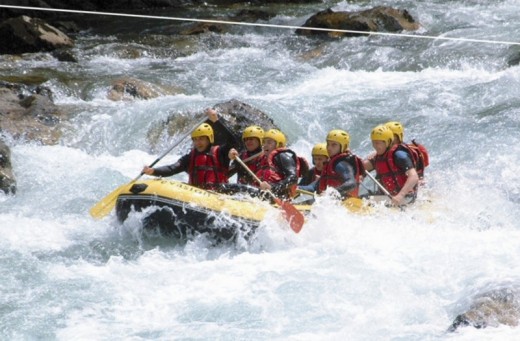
(203, 27)
(7, 179)
(64, 55)
(237, 114)
(492, 308)
(28, 112)
(377, 19)
(26, 35)
(131, 88)
(514, 59)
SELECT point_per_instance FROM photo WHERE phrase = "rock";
(513, 59)
(491, 309)
(131, 88)
(25, 35)
(28, 112)
(377, 19)
(237, 114)
(64, 55)
(7, 180)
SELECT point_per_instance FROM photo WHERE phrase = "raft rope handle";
(224, 22)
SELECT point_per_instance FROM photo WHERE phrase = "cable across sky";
(237, 23)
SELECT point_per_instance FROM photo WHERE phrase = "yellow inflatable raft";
(181, 210)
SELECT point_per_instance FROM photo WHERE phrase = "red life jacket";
(253, 164)
(329, 177)
(268, 171)
(205, 170)
(423, 159)
(392, 177)
(304, 166)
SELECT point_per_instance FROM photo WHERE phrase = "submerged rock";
(7, 180)
(377, 19)
(490, 309)
(130, 88)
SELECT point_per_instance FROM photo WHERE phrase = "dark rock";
(237, 114)
(26, 35)
(514, 59)
(7, 179)
(377, 19)
(64, 55)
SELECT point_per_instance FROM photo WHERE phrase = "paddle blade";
(292, 215)
(105, 205)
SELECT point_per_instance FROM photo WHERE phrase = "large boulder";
(491, 308)
(377, 19)
(24, 35)
(7, 180)
(28, 112)
(238, 116)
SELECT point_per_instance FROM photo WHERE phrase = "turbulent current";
(389, 275)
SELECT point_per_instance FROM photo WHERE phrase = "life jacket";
(269, 172)
(329, 177)
(254, 166)
(304, 166)
(423, 159)
(392, 177)
(205, 169)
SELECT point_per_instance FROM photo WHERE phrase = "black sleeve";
(345, 170)
(285, 162)
(181, 165)
(307, 177)
(224, 135)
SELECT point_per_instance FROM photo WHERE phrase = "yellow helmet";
(253, 131)
(204, 130)
(320, 149)
(276, 135)
(397, 128)
(382, 133)
(341, 137)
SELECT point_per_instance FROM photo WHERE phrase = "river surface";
(389, 275)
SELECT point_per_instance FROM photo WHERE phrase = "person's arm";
(312, 187)
(224, 135)
(285, 162)
(404, 162)
(369, 162)
(346, 172)
(180, 166)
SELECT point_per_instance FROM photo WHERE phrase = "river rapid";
(389, 275)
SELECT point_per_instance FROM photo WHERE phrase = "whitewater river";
(386, 276)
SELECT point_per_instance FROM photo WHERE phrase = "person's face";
(251, 143)
(201, 143)
(396, 139)
(319, 160)
(269, 145)
(333, 148)
(379, 146)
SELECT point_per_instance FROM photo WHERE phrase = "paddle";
(385, 191)
(105, 205)
(290, 213)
